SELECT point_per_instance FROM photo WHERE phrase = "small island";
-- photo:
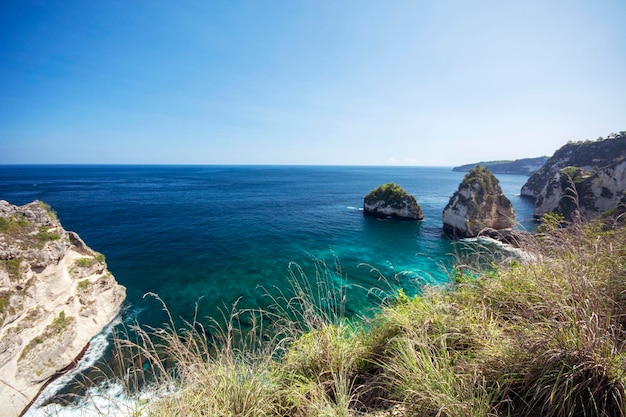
(392, 201)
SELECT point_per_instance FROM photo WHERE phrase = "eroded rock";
(392, 201)
(55, 295)
(477, 204)
(576, 193)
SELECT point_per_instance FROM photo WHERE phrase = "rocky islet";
(392, 201)
(478, 203)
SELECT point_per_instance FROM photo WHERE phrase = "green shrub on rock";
(392, 201)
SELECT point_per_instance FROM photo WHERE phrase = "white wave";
(109, 399)
(354, 208)
(518, 253)
(97, 346)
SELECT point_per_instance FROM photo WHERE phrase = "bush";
(391, 193)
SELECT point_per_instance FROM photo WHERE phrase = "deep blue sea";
(216, 234)
(213, 235)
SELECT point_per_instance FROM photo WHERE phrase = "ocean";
(214, 235)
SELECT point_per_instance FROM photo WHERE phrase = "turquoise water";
(216, 234)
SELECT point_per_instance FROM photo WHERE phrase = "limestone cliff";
(574, 192)
(392, 201)
(478, 204)
(581, 179)
(55, 295)
(588, 155)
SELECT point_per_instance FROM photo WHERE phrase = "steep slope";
(478, 204)
(588, 155)
(573, 192)
(55, 295)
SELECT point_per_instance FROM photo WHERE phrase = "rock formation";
(581, 179)
(55, 295)
(478, 204)
(392, 201)
(588, 155)
(573, 192)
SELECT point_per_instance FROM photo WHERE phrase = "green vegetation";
(45, 236)
(52, 331)
(543, 338)
(60, 323)
(551, 221)
(4, 299)
(86, 263)
(12, 266)
(12, 225)
(89, 262)
(391, 193)
(83, 285)
(481, 175)
(48, 209)
(576, 174)
(16, 229)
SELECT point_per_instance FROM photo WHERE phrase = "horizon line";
(220, 164)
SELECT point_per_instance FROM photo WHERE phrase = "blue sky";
(307, 82)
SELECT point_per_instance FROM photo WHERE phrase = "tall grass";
(545, 338)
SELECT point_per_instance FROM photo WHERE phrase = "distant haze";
(307, 82)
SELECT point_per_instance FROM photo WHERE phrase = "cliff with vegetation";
(477, 204)
(588, 155)
(574, 192)
(55, 295)
(581, 179)
(392, 201)
(525, 166)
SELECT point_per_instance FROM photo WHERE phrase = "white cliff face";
(55, 295)
(380, 207)
(550, 196)
(532, 188)
(587, 197)
(455, 214)
(606, 189)
(590, 156)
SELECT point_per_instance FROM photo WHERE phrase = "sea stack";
(55, 295)
(392, 201)
(478, 204)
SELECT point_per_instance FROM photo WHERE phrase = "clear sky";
(307, 82)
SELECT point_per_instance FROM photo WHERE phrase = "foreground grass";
(545, 338)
